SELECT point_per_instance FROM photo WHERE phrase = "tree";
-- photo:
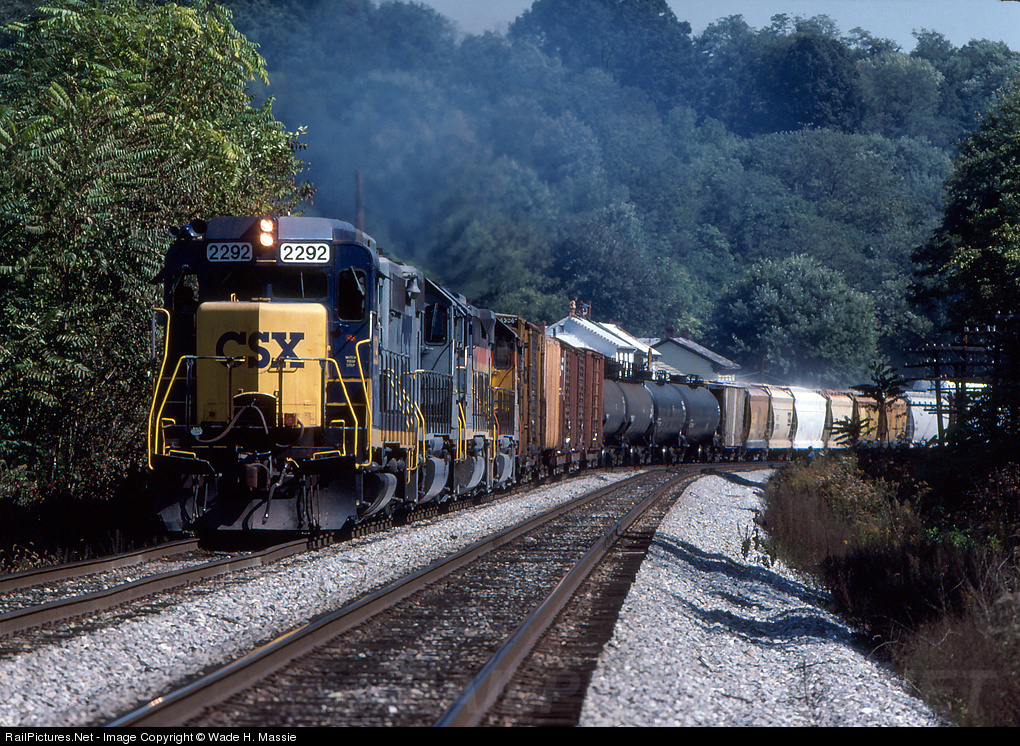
(810, 80)
(970, 268)
(886, 387)
(641, 43)
(120, 118)
(796, 320)
(603, 258)
(901, 95)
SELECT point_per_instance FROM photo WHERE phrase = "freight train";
(306, 381)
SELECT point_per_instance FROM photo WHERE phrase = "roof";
(644, 347)
(717, 359)
(573, 341)
(580, 328)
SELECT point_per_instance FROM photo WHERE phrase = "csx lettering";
(287, 342)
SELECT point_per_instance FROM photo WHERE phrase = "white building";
(629, 352)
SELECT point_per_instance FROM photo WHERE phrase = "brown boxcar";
(593, 414)
(531, 417)
(574, 396)
(551, 403)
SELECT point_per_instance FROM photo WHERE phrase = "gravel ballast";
(706, 637)
(93, 675)
(709, 637)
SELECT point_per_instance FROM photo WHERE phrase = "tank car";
(658, 420)
(701, 423)
(307, 380)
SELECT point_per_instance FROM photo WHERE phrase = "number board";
(228, 252)
(304, 253)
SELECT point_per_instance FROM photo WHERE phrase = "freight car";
(307, 381)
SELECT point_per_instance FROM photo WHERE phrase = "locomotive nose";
(260, 351)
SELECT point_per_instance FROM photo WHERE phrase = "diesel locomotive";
(307, 381)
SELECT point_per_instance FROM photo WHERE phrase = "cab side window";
(351, 294)
(435, 324)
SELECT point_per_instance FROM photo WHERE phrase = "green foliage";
(799, 320)
(970, 268)
(809, 79)
(885, 387)
(900, 95)
(849, 431)
(120, 118)
(929, 578)
(830, 509)
(641, 43)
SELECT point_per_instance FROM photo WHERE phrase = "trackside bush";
(829, 510)
(944, 611)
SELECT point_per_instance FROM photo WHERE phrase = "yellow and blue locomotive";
(307, 381)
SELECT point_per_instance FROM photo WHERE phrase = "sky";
(958, 20)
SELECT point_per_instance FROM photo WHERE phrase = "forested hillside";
(764, 189)
(601, 151)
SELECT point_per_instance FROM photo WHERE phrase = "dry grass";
(945, 611)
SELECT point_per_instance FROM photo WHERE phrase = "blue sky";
(958, 20)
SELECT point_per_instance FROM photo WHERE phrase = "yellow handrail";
(368, 401)
(410, 421)
(462, 435)
(420, 441)
(155, 389)
(347, 396)
(159, 415)
(404, 401)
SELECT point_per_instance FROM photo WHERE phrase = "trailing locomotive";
(308, 381)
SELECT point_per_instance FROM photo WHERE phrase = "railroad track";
(33, 598)
(442, 645)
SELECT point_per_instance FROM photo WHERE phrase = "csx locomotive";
(307, 381)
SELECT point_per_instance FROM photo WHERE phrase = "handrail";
(462, 435)
(406, 409)
(421, 440)
(159, 414)
(410, 419)
(153, 443)
(350, 404)
(368, 401)
(150, 430)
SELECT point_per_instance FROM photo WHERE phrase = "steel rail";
(33, 616)
(41, 575)
(176, 707)
(476, 699)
